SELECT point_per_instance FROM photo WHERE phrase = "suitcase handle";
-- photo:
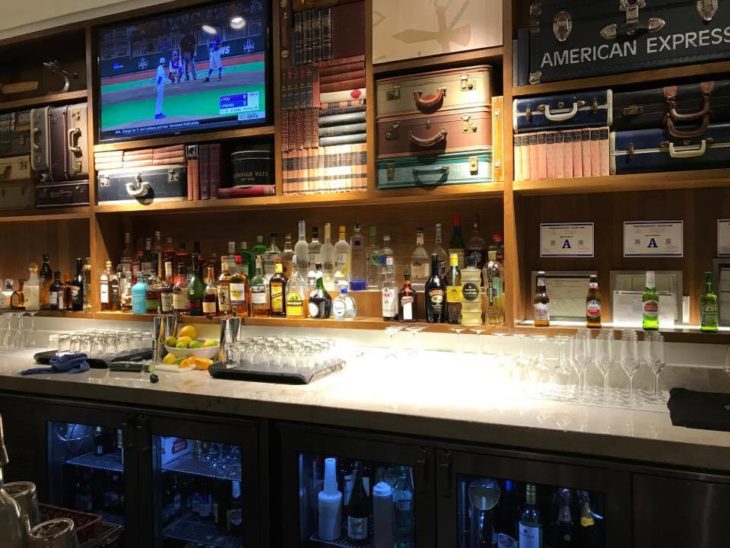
(559, 117)
(670, 94)
(74, 147)
(443, 171)
(428, 141)
(138, 189)
(690, 153)
(429, 101)
(34, 132)
(689, 133)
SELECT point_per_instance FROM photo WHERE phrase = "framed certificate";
(653, 238)
(566, 240)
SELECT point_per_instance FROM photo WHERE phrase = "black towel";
(705, 410)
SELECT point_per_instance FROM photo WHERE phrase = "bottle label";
(315, 259)
(593, 309)
(478, 256)
(651, 309)
(542, 312)
(419, 272)
(152, 304)
(453, 294)
(390, 302)
(277, 297)
(406, 304)
(52, 299)
(470, 292)
(104, 293)
(338, 309)
(313, 310)
(166, 302)
(180, 300)
(357, 528)
(294, 305)
(530, 536)
(235, 518)
(436, 298)
(708, 314)
(209, 307)
(224, 298)
(341, 260)
(258, 294)
(238, 293)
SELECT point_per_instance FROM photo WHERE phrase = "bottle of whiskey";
(453, 291)
(541, 302)
(708, 307)
(320, 302)
(296, 289)
(210, 297)
(259, 302)
(45, 277)
(407, 311)
(224, 281)
(105, 299)
(420, 261)
(435, 294)
(277, 294)
(166, 304)
(238, 290)
(68, 302)
(87, 285)
(54, 292)
(180, 301)
(476, 246)
(650, 304)
(593, 303)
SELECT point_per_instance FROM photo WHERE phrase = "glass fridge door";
(86, 469)
(197, 493)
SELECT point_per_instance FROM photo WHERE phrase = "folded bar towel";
(705, 410)
(65, 363)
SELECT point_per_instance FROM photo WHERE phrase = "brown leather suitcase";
(438, 133)
(16, 168)
(466, 87)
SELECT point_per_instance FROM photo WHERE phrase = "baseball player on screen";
(188, 46)
(216, 50)
(160, 83)
(176, 68)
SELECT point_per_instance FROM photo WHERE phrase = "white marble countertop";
(451, 401)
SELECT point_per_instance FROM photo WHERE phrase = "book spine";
(341, 75)
(343, 139)
(585, 142)
(203, 191)
(346, 129)
(298, 36)
(342, 86)
(215, 169)
(327, 34)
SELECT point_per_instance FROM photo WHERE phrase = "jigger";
(230, 329)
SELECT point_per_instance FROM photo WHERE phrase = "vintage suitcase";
(439, 133)
(581, 109)
(16, 168)
(17, 195)
(71, 193)
(697, 104)
(406, 29)
(58, 125)
(143, 185)
(441, 90)
(15, 133)
(649, 150)
(431, 171)
(576, 39)
(77, 151)
(40, 135)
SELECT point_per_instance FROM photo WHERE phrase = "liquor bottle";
(438, 249)
(456, 245)
(182, 258)
(453, 291)
(471, 293)
(99, 441)
(5, 294)
(168, 253)
(344, 306)
(68, 301)
(564, 533)
(148, 257)
(328, 259)
(271, 257)
(45, 278)
(358, 509)
(589, 533)
(593, 303)
(493, 275)
(358, 260)
(530, 525)
(180, 300)
(708, 307)
(508, 510)
(87, 285)
(117, 288)
(329, 504)
(419, 263)
(301, 250)
(17, 299)
(320, 302)
(342, 258)
(152, 296)
(11, 522)
(234, 517)
(404, 530)
(166, 304)
(238, 290)
(105, 299)
(277, 291)
(136, 265)
(77, 287)
(126, 259)
(230, 264)
(372, 256)
(435, 294)
(407, 311)
(139, 295)
(541, 302)
(157, 259)
(314, 254)
(650, 304)
(498, 246)
(296, 290)
(224, 282)
(210, 296)
(476, 246)
(196, 287)
(259, 247)
(287, 255)
(247, 260)
(32, 290)
(388, 289)
(54, 292)
(259, 302)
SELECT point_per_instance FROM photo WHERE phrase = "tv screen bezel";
(161, 12)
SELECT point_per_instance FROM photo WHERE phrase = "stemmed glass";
(414, 330)
(391, 330)
(459, 350)
(579, 357)
(603, 357)
(630, 358)
(656, 359)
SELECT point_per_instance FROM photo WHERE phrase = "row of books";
(340, 168)
(562, 154)
(145, 157)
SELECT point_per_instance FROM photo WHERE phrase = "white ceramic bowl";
(209, 352)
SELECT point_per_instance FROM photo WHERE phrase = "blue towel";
(65, 363)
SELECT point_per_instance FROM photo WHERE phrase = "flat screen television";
(191, 70)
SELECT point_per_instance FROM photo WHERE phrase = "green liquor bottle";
(650, 304)
(196, 287)
(708, 307)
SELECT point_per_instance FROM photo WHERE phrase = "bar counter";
(446, 400)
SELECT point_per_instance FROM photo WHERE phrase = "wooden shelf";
(44, 215)
(44, 100)
(65, 314)
(643, 77)
(389, 197)
(184, 138)
(434, 62)
(678, 335)
(673, 180)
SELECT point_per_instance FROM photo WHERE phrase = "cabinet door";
(393, 505)
(513, 499)
(23, 420)
(203, 482)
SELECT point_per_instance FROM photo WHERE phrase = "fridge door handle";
(444, 473)
(127, 435)
(422, 476)
(142, 435)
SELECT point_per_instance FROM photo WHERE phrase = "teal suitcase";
(430, 171)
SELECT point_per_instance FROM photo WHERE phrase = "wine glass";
(603, 357)
(630, 359)
(579, 357)
(391, 330)
(656, 359)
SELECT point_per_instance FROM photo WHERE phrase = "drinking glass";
(4, 332)
(603, 357)
(414, 330)
(29, 329)
(630, 358)
(64, 343)
(391, 330)
(579, 357)
(656, 359)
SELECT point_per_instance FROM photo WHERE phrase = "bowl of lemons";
(187, 344)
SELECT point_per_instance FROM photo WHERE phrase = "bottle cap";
(343, 289)
(330, 476)
(382, 489)
(492, 255)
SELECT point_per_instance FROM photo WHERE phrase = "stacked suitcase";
(59, 155)
(16, 187)
(435, 128)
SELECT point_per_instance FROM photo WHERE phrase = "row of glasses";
(100, 342)
(286, 355)
(19, 330)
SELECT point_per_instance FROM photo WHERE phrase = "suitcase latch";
(466, 124)
(466, 84)
(632, 27)
(562, 25)
(535, 77)
(393, 93)
(393, 133)
(173, 176)
(633, 110)
(535, 13)
(473, 165)
(707, 9)
(390, 171)
(104, 181)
